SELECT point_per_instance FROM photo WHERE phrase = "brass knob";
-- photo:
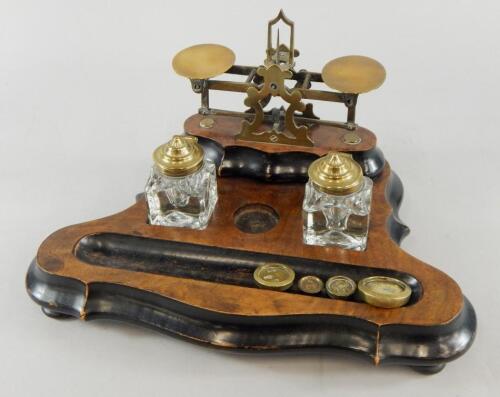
(181, 156)
(336, 173)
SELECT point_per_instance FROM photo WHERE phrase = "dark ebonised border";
(427, 347)
(394, 195)
(241, 161)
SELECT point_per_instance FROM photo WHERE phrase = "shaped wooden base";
(198, 285)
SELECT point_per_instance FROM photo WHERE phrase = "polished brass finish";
(319, 95)
(280, 55)
(269, 118)
(340, 287)
(181, 156)
(336, 173)
(289, 125)
(207, 122)
(274, 276)
(354, 74)
(351, 138)
(203, 61)
(310, 284)
(384, 292)
(274, 85)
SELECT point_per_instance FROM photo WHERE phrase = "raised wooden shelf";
(324, 137)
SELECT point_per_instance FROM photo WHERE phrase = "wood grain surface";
(440, 303)
(324, 137)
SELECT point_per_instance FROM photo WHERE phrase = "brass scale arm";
(303, 80)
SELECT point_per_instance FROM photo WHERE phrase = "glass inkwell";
(337, 201)
(182, 188)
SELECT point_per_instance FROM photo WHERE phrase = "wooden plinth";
(198, 284)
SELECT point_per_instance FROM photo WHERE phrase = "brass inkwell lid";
(181, 156)
(336, 173)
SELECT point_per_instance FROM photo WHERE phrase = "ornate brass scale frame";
(199, 284)
(289, 126)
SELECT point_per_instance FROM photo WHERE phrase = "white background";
(87, 92)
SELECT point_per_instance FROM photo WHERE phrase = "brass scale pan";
(351, 74)
(203, 61)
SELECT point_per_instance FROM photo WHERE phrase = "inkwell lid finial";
(336, 173)
(181, 156)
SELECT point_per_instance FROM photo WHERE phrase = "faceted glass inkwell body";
(182, 188)
(337, 201)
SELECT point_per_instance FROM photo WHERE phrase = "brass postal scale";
(266, 229)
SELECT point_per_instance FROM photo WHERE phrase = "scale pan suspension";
(203, 61)
(353, 74)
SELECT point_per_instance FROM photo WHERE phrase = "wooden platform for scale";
(199, 284)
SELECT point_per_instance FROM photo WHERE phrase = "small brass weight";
(347, 76)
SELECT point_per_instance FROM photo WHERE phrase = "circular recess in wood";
(256, 218)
